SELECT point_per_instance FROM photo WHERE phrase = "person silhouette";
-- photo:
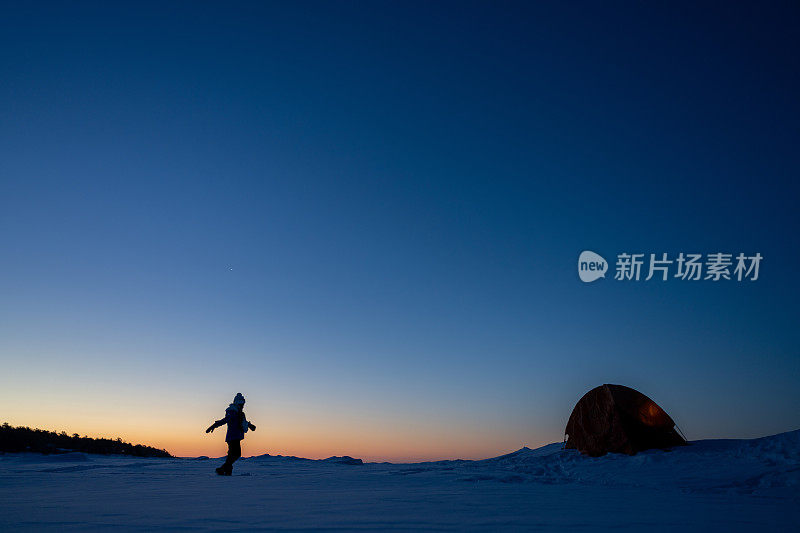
(237, 427)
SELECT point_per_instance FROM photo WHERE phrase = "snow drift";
(731, 485)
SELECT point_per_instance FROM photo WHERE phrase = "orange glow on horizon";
(299, 442)
(176, 421)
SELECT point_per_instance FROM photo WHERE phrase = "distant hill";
(24, 439)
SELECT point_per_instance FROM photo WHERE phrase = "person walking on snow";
(237, 427)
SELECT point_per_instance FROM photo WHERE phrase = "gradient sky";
(366, 217)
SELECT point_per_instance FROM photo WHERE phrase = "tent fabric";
(619, 419)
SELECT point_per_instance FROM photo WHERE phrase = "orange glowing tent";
(618, 419)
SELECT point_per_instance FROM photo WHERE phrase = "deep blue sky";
(367, 218)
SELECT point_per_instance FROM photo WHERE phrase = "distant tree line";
(24, 439)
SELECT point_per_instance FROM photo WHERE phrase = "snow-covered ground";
(714, 485)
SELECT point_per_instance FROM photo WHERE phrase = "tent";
(615, 418)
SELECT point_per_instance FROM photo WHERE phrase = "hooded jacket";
(237, 423)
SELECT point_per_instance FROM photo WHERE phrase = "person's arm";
(251, 426)
(216, 424)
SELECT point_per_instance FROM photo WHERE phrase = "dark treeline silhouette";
(24, 439)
